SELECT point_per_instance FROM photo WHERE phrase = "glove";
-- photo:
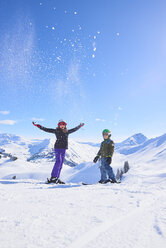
(35, 124)
(95, 159)
(109, 160)
(81, 124)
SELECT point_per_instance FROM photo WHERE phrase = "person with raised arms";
(61, 144)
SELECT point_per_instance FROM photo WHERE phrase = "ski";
(83, 183)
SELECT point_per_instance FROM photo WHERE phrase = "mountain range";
(135, 148)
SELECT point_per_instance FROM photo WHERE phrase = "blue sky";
(98, 62)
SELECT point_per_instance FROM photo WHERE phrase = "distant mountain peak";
(134, 140)
(139, 138)
(6, 138)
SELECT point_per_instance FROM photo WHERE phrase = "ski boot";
(52, 180)
(113, 181)
(60, 182)
(103, 182)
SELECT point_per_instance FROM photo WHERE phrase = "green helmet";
(107, 131)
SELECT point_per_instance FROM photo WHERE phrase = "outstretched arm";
(76, 128)
(48, 130)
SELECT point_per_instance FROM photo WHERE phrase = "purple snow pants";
(60, 155)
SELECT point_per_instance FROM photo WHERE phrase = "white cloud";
(37, 119)
(7, 122)
(4, 112)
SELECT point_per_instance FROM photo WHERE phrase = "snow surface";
(34, 214)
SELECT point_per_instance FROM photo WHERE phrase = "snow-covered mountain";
(33, 150)
(134, 140)
(34, 158)
(141, 149)
(36, 153)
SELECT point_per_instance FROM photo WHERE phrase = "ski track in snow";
(132, 229)
(33, 214)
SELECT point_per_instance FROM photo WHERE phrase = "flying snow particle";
(54, 8)
(94, 46)
(94, 37)
(65, 11)
(98, 32)
(73, 30)
(53, 28)
(41, 4)
(117, 34)
(75, 12)
(46, 26)
(93, 56)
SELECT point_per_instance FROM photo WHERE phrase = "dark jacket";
(61, 137)
(106, 148)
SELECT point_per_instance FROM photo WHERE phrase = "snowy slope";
(130, 214)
